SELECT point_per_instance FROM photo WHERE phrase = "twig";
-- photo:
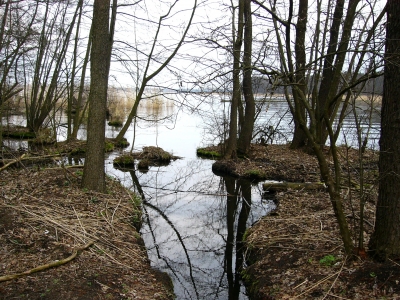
(47, 266)
(336, 296)
(394, 262)
(317, 284)
(340, 271)
(79, 220)
(12, 162)
(299, 285)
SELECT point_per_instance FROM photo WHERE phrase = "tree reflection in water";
(193, 226)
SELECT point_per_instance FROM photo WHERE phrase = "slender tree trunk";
(73, 71)
(230, 150)
(146, 76)
(333, 66)
(93, 173)
(79, 110)
(299, 90)
(385, 241)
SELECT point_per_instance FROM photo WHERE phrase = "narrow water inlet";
(194, 223)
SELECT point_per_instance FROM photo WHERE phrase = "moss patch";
(208, 153)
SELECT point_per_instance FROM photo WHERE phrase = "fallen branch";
(12, 162)
(283, 186)
(25, 158)
(46, 266)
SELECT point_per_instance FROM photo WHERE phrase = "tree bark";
(230, 150)
(327, 101)
(385, 241)
(93, 173)
(246, 132)
(300, 88)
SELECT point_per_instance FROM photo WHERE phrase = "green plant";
(251, 285)
(108, 147)
(327, 260)
(122, 143)
(79, 173)
(136, 201)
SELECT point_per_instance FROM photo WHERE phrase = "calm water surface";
(194, 220)
(193, 217)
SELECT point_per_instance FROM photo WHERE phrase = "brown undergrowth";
(296, 252)
(45, 217)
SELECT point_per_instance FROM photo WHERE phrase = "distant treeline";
(262, 85)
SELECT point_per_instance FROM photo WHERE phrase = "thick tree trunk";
(385, 241)
(93, 174)
(246, 132)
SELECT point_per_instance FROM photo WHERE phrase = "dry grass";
(296, 252)
(45, 215)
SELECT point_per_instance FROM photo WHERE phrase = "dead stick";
(12, 162)
(47, 266)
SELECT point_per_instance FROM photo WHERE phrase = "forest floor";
(59, 241)
(296, 252)
(86, 245)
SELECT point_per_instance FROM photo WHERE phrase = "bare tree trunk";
(385, 241)
(230, 151)
(102, 38)
(246, 132)
(333, 66)
(299, 89)
(80, 111)
(74, 70)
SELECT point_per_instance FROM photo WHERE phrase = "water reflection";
(238, 193)
(194, 224)
(195, 220)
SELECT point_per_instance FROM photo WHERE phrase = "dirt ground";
(83, 245)
(294, 253)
